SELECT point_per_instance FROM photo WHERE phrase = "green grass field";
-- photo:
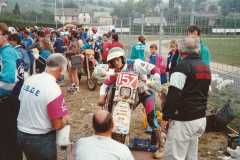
(224, 50)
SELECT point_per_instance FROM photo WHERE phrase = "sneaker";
(76, 89)
(71, 88)
(158, 154)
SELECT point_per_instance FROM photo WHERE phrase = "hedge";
(19, 22)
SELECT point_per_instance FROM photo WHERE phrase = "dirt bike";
(121, 100)
(87, 68)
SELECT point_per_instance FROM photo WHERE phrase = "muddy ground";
(83, 105)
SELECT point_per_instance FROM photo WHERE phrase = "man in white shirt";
(42, 111)
(94, 35)
(101, 146)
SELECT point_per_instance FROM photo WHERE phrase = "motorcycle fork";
(88, 71)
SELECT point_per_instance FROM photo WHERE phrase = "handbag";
(63, 136)
(75, 61)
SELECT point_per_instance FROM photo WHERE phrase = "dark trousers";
(9, 106)
(37, 147)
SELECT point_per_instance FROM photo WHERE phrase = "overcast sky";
(136, 0)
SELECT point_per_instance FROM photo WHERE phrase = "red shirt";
(66, 41)
(106, 48)
(116, 44)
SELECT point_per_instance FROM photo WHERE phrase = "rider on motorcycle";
(116, 60)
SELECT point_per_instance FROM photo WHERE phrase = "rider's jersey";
(137, 66)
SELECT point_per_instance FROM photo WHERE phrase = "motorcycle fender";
(121, 117)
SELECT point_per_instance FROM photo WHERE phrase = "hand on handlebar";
(154, 82)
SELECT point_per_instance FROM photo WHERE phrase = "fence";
(176, 25)
(221, 35)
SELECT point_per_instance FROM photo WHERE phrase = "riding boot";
(158, 140)
(155, 137)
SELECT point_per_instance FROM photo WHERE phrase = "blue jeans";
(37, 147)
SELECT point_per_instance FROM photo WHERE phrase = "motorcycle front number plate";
(127, 79)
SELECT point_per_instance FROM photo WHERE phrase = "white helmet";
(12, 30)
(115, 53)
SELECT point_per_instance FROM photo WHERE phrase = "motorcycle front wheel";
(109, 99)
(92, 84)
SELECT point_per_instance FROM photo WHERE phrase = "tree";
(142, 6)
(124, 9)
(186, 5)
(16, 10)
(69, 4)
(229, 6)
(213, 8)
(31, 15)
(199, 5)
(130, 8)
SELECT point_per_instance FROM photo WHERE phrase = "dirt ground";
(83, 105)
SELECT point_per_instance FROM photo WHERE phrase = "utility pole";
(121, 25)
(63, 13)
(130, 25)
(55, 13)
(192, 17)
(142, 25)
(160, 26)
(192, 13)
